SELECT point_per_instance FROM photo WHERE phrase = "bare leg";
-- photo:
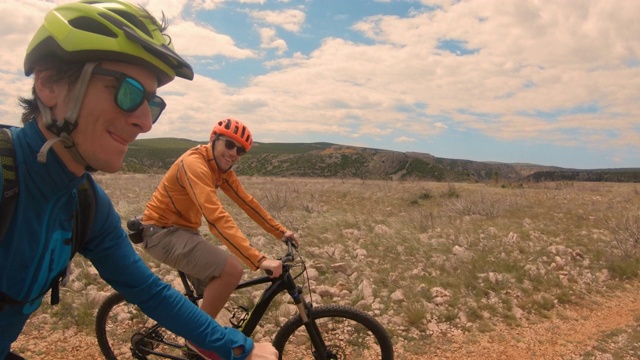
(219, 289)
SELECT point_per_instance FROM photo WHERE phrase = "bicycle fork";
(305, 309)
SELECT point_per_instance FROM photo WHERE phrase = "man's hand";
(291, 235)
(273, 268)
(263, 351)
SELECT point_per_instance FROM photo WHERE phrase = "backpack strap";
(9, 180)
(9, 196)
(83, 222)
(83, 218)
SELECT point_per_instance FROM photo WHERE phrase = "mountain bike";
(318, 332)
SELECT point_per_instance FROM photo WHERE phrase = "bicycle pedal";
(239, 316)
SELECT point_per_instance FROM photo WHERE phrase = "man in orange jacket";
(187, 192)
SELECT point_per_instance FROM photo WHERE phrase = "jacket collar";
(50, 177)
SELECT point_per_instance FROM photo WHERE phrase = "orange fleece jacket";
(188, 191)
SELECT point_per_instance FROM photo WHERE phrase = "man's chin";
(110, 167)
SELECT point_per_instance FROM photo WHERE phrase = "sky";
(516, 81)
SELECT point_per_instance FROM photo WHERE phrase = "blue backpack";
(83, 217)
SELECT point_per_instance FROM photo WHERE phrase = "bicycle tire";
(117, 322)
(347, 332)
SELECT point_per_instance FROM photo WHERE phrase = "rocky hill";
(340, 161)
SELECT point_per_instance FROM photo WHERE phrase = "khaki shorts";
(187, 251)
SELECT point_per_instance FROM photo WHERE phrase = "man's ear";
(48, 91)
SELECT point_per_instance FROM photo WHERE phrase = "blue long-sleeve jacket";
(33, 251)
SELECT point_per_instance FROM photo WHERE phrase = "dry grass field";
(439, 264)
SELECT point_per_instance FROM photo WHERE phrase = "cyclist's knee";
(233, 269)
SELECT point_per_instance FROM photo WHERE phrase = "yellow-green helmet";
(91, 30)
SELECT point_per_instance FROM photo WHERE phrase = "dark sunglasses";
(230, 145)
(131, 94)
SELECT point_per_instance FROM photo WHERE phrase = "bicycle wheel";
(348, 333)
(125, 332)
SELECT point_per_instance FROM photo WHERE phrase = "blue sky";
(550, 83)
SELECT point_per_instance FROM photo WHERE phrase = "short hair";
(57, 70)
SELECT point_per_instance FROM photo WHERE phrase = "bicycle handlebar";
(288, 257)
(290, 247)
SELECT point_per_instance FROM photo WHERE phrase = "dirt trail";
(564, 337)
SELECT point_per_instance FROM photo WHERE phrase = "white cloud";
(532, 57)
(403, 139)
(271, 41)
(192, 39)
(20, 21)
(13, 85)
(192, 108)
(207, 4)
(170, 8)
(290, 20)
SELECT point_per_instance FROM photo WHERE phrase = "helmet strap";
(63, 130)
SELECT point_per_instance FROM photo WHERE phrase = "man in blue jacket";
(96, 68)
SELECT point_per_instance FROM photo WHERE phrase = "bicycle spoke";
(124, 323)
(344, 338)
(346, 333)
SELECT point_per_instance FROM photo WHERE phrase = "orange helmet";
(233, 129)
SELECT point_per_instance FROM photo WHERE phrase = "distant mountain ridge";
(332, 160)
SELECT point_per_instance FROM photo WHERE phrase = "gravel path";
(564, 337)
(567, 336)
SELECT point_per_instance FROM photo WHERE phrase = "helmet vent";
(135, 21)
(91, 25)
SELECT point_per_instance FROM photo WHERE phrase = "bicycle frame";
(284, 282)
(330, 331)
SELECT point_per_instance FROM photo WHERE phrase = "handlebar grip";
(290, 243)
(268, 272)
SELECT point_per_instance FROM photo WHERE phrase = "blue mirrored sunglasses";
(130, 94)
